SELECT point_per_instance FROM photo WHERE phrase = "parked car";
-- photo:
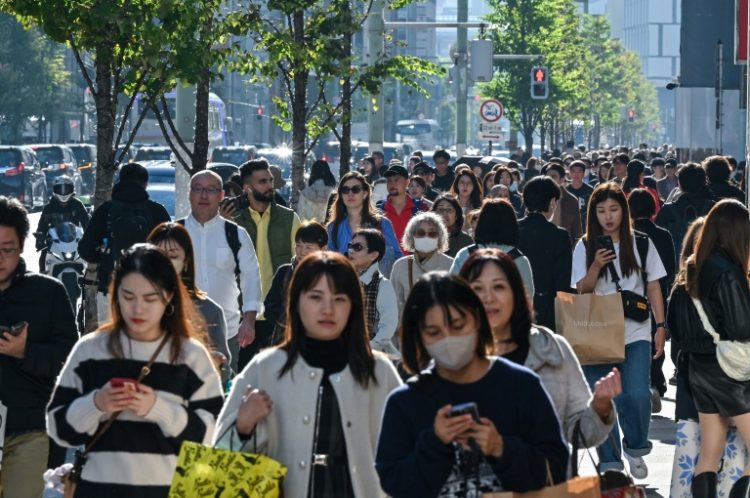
(152, 154)
(164, 194)
(233, 154)
(85, 154)
(21, 176)
(58, 160)
(161, 173)
(224, 170)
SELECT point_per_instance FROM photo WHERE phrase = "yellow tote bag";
(204, 471)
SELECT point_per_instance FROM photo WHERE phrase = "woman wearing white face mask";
(423, 451)
(427, 239)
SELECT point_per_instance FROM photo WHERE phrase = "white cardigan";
(287, 433)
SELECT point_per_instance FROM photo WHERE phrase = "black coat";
(551, 257)
(724, 190)
(685, 326)
(676, 216)
(664, 246)
(54, 212)
(725, 296)
(26, 385)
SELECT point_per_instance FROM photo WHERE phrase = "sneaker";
(638, 467)
(655, 401)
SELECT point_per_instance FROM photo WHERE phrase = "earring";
(170, 309)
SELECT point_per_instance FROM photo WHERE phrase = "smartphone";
(15, 329)
(240, 202)
(605, 242)
(465, 409)
(131, 384)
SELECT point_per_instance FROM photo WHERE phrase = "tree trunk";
(105, 124)
(345, 147)
(200, 141)
(299, 113)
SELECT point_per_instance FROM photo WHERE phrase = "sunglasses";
(14, 329)
(422, 233)
(354, 190)
(355, 246)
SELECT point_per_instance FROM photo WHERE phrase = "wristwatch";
(662, 325)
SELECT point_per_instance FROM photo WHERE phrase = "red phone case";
(122, 382)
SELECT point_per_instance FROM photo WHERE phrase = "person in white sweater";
(314, 403)
(178, 400)
(426, 238)
(313, 199)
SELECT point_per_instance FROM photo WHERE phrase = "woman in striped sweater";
(178, 400)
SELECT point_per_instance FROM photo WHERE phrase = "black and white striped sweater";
(136, 457)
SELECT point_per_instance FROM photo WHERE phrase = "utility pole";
(375, 50)
(185, 124)
(462, 87)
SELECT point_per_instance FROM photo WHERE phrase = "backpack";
(514, 253)
(682, 219)
(232, 234)
(128, 223)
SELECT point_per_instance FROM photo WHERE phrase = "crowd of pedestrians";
(395, 335)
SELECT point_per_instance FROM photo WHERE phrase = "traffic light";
(259, 113)
(631, 115)
(539, 82)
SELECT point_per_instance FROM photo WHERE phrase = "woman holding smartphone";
(314, 402)
(611, 245)
(435, 445)
(177, 400)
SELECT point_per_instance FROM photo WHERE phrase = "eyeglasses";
(7, 252)
(354, 190)
(445, 210)
(355, 246)
(423, 233)
(205, 190)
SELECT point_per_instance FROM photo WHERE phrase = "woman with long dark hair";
(177, 400)
(353, 210)
(717, 277)
(494, 277)
(450, 210)
(313, 199)
(612, 249)
(634, 180)
(314, 402)
(466, 189)
(470, 423)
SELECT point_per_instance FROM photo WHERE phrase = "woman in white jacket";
(314, 403)
(313, 199)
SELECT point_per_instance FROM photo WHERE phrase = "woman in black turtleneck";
(314, 402)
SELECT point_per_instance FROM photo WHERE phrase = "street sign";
(490, 132)
(491, 111)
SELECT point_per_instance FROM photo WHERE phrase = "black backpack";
(232, 234)
(128, 223)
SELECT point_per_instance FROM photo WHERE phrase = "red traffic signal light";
(631, 115)
(540, 75)
(539, 83)
(259, 112)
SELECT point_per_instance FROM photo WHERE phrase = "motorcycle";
(62, 260)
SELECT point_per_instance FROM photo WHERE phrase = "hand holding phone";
(465, 409)
(451, 423)
(129, 384)
(15, 330)
(605, 252)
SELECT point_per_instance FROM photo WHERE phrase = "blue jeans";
(633, 405)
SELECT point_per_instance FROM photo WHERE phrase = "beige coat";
(400, 273)
(287, 434)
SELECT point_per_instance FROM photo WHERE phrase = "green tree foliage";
(33, 79)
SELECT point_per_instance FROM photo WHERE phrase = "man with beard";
(271, 228)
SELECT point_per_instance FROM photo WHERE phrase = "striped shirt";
(137, 456)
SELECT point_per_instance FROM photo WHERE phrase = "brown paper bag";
(577, 487)
(593, 325)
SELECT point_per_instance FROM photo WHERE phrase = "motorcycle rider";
(62, 207)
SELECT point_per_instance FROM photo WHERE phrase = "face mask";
(513, 187)
(454, 352)
(425, 244)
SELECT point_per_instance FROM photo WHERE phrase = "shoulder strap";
(704, 320)
(233, 239)
(181, 221)
(515, 253)
(641, 244)
(410, 262)
(473, 248)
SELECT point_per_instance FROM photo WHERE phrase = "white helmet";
(63, 189)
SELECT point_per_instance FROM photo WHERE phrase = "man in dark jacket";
(692, 203)
(117, 224)
(38, 332)
(546, 246)
(718, 171)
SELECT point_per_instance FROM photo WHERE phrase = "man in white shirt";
(215, 260)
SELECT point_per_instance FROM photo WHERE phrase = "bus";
(150, 132)
(421, 134)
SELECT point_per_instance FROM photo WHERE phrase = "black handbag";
(635, 306)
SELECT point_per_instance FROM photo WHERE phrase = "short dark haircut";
(419, 180)
(555, 167)
(578, 163)
(671, 162)
(497, 223)
(447, 291)
(538, 193)
(14, 215)
(378, 153)
(248, 168)
(375, 240)
(312, 232)
(441, 153)
(450, 199)
(134, 172)
(520, 318)
(691, 178)
(621, 158)
(717, 169)
(642, 204)
(658, 161)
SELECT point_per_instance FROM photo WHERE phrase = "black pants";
(658, 381)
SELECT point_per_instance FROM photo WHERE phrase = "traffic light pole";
(375, 50)
(462, 87)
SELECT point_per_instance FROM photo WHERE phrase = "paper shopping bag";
(593, 325)
(577, 487)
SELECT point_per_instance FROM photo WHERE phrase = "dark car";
(21, 176)
(58, 160)
(233, 154)
(86, 157)
(224, 170)
(153, 154)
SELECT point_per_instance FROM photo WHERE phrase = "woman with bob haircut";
(448, 208)
(426, 238)
(497, 228)
(494, 277)
(353, 210)
(717, 276)
(174, 240)
(504, 442)
(593, 264)
(177, 400)
(314, 402)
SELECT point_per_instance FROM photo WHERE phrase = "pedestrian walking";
(313, 199)
(448, 208)
(466, 189)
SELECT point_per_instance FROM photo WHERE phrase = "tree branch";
(168, 139)
(173, 129)
(126, 113)
(82, 66)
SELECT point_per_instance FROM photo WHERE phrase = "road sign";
(491, 111)
(490, 132)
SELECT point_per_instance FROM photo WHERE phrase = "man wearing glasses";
(37, 331)
(225, 260)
